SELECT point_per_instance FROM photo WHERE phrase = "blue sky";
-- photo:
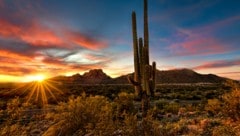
(61, 37)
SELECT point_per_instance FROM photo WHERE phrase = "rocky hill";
(186, 76)
(97, 76)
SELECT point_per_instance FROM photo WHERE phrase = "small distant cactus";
(144, 74)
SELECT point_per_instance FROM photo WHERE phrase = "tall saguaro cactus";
(146, 32)
(144, 74)
(135, 53)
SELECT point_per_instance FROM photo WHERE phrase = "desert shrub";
(150, 127)
(14, 108)
(124, 103)
(130, 126)
(165, 106)
(172, 108)
(231, 104)
(160, 104)
(13, 130)
(95, 116)
(16, 111)
(168, 128)
(223, 131)
(14, 118)
(213, 106)
(2, 104)
(83, 115)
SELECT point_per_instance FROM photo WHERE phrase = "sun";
(35, 78)
(39, 78)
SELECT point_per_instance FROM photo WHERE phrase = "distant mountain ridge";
(97, 76)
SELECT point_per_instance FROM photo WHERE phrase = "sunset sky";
(64, 37)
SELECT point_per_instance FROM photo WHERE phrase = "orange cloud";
(12, 55)
(8, 29)
(84, 41)
(38, 35)
(34, 34)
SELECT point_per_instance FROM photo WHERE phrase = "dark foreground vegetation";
(199, 109)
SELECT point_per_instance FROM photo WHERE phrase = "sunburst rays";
(39, 92)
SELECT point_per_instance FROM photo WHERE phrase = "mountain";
(97, 76)
(186, 76)
(178, 76)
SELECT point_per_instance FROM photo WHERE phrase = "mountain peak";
(76, 75)
(95, 73)
(96, 76)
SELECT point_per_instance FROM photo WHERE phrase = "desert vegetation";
(94, 114)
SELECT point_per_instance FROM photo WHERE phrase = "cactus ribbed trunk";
(146, 32)
(136, 54)
(141, 57)
(146, 89)
(144, 74)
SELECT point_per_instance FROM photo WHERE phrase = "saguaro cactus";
(146, 32)
(144, 74)
(136, 53)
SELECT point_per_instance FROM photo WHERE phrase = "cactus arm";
(153, 79)
(154, 74)
(131, 80)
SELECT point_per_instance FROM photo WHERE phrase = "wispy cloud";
(218, 64)
(17, 64)
(198, 46)
(85, 41)
(218, 24)
(201, 40)
(227, 73)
